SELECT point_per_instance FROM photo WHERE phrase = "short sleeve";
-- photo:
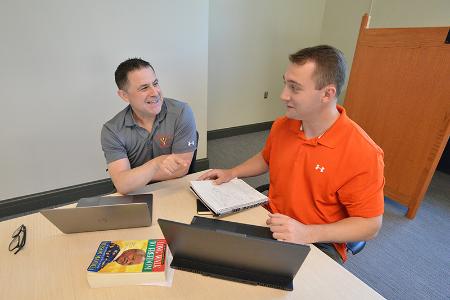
(267, 148)
(268, 145)
(185, 138)
(363, 195)
(113, 148)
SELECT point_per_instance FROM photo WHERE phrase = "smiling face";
(303, 101)
(143, 93)
(131, 257)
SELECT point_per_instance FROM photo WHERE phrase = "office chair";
(353, 247)
(194, 158)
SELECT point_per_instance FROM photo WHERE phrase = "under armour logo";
(191, 143)
(321, 169)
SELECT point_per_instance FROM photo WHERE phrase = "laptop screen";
(218, 250)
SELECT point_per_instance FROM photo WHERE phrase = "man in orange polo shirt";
(326, 174)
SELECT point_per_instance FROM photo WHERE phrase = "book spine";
(99, 256)
(160, 256)
(155, 257)
(149, 256)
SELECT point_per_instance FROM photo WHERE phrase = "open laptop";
(103, 213)
(233, 251)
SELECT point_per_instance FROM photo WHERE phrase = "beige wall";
(57, 63)
(342, 19)
(249, 42)
(57, 85)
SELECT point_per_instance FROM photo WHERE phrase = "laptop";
(233, 251)
(103, 213)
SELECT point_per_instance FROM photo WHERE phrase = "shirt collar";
(129, 119)
(331, 137)
(337, 131)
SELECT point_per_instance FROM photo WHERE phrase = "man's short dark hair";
(330, 65)
(131, 64)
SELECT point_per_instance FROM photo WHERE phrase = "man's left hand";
(286, 229)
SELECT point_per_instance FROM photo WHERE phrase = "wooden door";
(399, 93)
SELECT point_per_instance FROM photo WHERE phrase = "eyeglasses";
(19, 238)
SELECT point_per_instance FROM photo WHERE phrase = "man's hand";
(170, 164)
(218, 175)
(286, 229)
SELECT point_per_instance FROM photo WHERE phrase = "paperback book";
(132, 262)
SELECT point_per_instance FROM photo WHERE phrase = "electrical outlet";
(266, 94)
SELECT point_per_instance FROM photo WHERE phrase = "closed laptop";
(103, 213)
(233, 251)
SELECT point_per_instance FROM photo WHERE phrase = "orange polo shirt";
(327, 179)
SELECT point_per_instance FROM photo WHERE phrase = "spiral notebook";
(227, 198)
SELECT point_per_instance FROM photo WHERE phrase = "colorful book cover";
(133, 256)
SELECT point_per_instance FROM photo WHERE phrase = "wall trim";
(201, 164)
(232, 131)
(10, 208)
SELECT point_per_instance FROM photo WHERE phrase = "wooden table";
(53, 265)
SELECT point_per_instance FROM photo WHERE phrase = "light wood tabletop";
(52, 265)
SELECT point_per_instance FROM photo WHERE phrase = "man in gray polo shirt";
(153, 138)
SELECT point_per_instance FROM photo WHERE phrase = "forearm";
(130, 180)
(252, 167)
(346, 230)
(161, 175)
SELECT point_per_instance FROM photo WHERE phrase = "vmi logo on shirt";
(191, 143)
(164, 141)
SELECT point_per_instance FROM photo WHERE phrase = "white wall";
(57, 62)
(249, 44)
(342, 19)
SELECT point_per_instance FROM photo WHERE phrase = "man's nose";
(284, 94)
(153, 90)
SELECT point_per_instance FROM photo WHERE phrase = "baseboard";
(201, 164)
(10, 208)
(33, 202)
(232, 131)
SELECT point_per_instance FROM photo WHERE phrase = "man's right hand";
(171, 163)
(218, 175)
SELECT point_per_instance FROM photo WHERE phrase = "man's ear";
(329, 93)
(122, 94)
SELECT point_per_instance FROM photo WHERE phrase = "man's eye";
(156, 83)
(294, 88)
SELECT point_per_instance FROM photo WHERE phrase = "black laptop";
(233, 251)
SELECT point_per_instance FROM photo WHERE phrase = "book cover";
(128, 262)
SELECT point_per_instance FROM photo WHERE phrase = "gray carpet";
(409, 259)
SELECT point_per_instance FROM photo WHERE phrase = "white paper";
(169, 272)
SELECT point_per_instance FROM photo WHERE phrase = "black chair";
(194, 158)
(353, 247)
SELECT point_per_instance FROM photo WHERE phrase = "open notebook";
(229, 197)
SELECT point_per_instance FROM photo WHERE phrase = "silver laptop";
(103, 213)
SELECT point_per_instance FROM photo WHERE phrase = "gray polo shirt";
(173, 131)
